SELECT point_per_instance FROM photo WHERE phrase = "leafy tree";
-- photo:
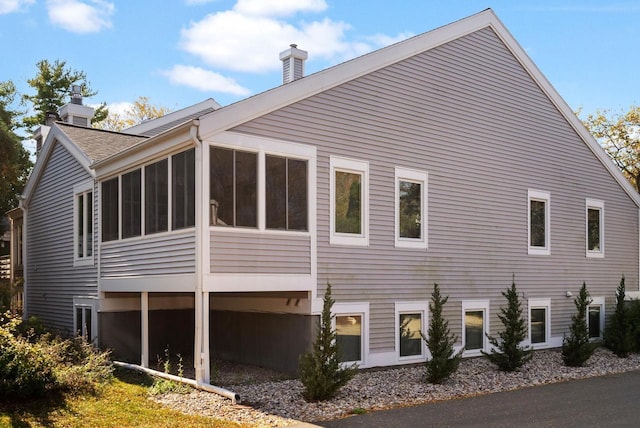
(507, 353)
(440, 340)
(619, 134)
(617, 334)
(140, 111)
(14, 159)
(320, 370)
(53, 84)
(577, 349)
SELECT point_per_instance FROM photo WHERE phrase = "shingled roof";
(98, 144)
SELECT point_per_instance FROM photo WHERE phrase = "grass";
(123, 402)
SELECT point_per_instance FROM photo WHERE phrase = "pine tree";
(440, 340)
(507, 353)
(617, 334)
(577, 349)
(320, 370)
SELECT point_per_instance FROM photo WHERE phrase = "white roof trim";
(55, 135)
(171, 117)
(266, 102)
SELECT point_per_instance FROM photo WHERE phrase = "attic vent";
(292, 63)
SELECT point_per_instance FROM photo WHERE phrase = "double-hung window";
(410, 208)
(475, 326)
(539, 222)
(595, 228)
(595, 318)
(539, 324)
(83, 224)
(351, 331)
(411, 324)
(349, 202)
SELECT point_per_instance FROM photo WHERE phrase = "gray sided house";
(447, 158)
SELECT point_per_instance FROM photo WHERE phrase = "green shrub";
(26, 369)
(507, 353)
(440, 340)
(34, 365)
(618, 334)
(577, 349)
(633, 308)
(320, 370)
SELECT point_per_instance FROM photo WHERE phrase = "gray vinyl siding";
(165, 254)
(469, 115)
(249, 253)
(52, 280)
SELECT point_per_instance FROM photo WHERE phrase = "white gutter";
(235, 398)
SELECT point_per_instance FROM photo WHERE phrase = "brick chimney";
(292, 63)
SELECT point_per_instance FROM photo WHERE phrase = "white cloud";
(204, 80)
(10, 6)
(238, 42)
(121, 108)
(278, 7)
(81, 17)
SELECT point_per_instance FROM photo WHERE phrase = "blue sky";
(181, 52)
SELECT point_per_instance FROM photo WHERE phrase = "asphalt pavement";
(606, 401)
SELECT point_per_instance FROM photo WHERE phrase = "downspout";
(25, 265)
(198, 355)
(235, 398)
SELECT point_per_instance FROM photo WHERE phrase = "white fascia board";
(258, 105)
(156, 147)
(55, 134)
(171, 117)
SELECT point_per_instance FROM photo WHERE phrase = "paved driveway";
(606, 401)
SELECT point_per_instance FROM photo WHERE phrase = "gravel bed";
(279, 403)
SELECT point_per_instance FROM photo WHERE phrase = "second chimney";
(292, 63)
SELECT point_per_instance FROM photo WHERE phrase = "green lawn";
(122, 403)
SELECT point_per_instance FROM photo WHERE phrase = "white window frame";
(597, 301)
(355, 308)
(82, 190)
(537, 195)
(421, 307)
(477, 305)
(354, 167)
(599, 205)
(86, 303)
(419, 177)
(263, 146)
(540, 304)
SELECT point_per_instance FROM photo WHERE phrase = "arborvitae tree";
(507, 353)
(577, 349)
(320, 370)
(440, 340)
(617, 334)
